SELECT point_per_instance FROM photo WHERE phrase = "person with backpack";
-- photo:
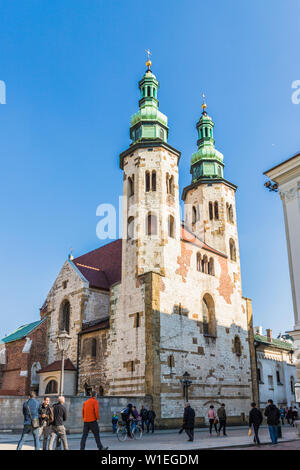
(255, 420)
(273, 416)
(46, 419)
(127, 417)
(114, 422)
(90, 415)
(143, 414)
(31, 421)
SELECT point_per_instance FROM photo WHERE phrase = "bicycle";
(135, 429)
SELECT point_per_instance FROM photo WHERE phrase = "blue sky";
(71, 71)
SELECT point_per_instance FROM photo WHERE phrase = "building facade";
(287, 177)
(276, 370)
(161, 312)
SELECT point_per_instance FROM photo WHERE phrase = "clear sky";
(71, 71)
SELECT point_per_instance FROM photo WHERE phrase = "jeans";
(91, 426)
(45, 432)
(150, 423)
(273, 433)
(255, 429)
(60, 432)
(27, 430)
(190, 433)
(222, 424)
(211, 424)
(144, 423)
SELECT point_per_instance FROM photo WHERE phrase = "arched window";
(216, 211)
(147, 181)
(194, 215)
(208, 315)
(230, 213)
(205, 264)
(171, 226)
(219, 171)
(210, 209)
(148, 91)
(101, 391)
(65, 317)
(151, 226)
(52, 387)
(292, 383)
(171, 182)
(94, 347)
(130, 228)
(259, 373)
(153, 180)
(198, 262)
(211, 268)
(162, 134)
(237, 346)
(130, 186)
(232, 250)
(167, 183)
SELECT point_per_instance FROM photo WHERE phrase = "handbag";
(250, 432)
(35, 423)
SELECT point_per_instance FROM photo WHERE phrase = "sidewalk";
(168, 440)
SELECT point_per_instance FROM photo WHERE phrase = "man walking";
(282, 414)
(58, 429)
(90, 415)
(255, 420)
(189, 421)
(31, 421)
(46, 418)
(273, 415)
(222, 419)
(150, 419)
(143, 414)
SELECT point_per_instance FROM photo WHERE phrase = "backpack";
(125, 414)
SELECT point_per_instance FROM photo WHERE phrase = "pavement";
(237, 438)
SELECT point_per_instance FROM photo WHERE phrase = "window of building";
(101, 391)
(94, 347)
(162, 134)
(64, 324)
(237, 346)
(232, 250)
(278, 377)
(130, 186)
(194, 215)
(65, 283)
(258, 375)
(171, 182)
(210, 209)
(171, 226)
(292, 383)
(131, 366)
(137, 321)
(151, 227)
(153, 180)
(208, 316)
(211, 267)
(270, 382)
(171, 361)
(219, 171)
(216, 207)
(130, 228)
(205, 264)
(198, 262)
(147, 181)
(52, 387)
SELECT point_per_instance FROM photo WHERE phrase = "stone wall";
(12, 416)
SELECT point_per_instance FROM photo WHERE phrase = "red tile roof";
(54, 366)
(102, 267)
(190, 237)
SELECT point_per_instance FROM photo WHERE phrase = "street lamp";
(62, 341)
(186, 384)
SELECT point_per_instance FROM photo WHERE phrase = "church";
(159, 313)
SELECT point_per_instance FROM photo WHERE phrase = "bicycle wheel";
(121, 434)
(137, 432)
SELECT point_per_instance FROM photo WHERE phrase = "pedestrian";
(90, 415)
(213, 421)
(282, 414)
(273, 416)
(189, 421)
(46, 419)
(58, 429)
(150, 419)
(127, 417)
(114, 421)
(31, 421)
(222, 419)
(289, 416)
(143, 413)
(294, 415)
(255, 420)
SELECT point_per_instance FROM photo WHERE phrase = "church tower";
(210, 199)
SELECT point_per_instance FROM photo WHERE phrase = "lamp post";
(186, 384)
(62, 341)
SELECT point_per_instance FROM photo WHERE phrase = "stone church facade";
(161, 313)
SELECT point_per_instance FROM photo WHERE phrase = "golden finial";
(204, 105)
(148, 63)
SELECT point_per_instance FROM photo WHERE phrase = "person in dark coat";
(150, 419)
(189, 421)
(144, 414)
(255, 420)
(273, 416)
(222, 419)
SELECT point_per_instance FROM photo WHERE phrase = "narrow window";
(205, 264)
(210, 208)
(130, 228)
(292, 385)
(258, 375)
(137, 319)
(149, 93)
(198, 262)
(94, 347)
(132, 366)
(167, 183)
(101, 391)
(162, 134)
(278, 376)
(171, 226)
(194, 215)
(232, 250)
(147, 182)
(211, 269)
(130, 186)
(171, 182)
(237, 346)
(216, 211)
(151, 224)
(153, 180)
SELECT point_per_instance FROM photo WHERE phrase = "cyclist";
(136, 419)
(127, 416)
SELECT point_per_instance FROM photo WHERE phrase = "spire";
(207, 162)
(149, 123)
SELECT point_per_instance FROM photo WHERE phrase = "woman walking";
(212, 416)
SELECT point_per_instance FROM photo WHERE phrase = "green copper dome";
(207, 162)
(149, 123)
